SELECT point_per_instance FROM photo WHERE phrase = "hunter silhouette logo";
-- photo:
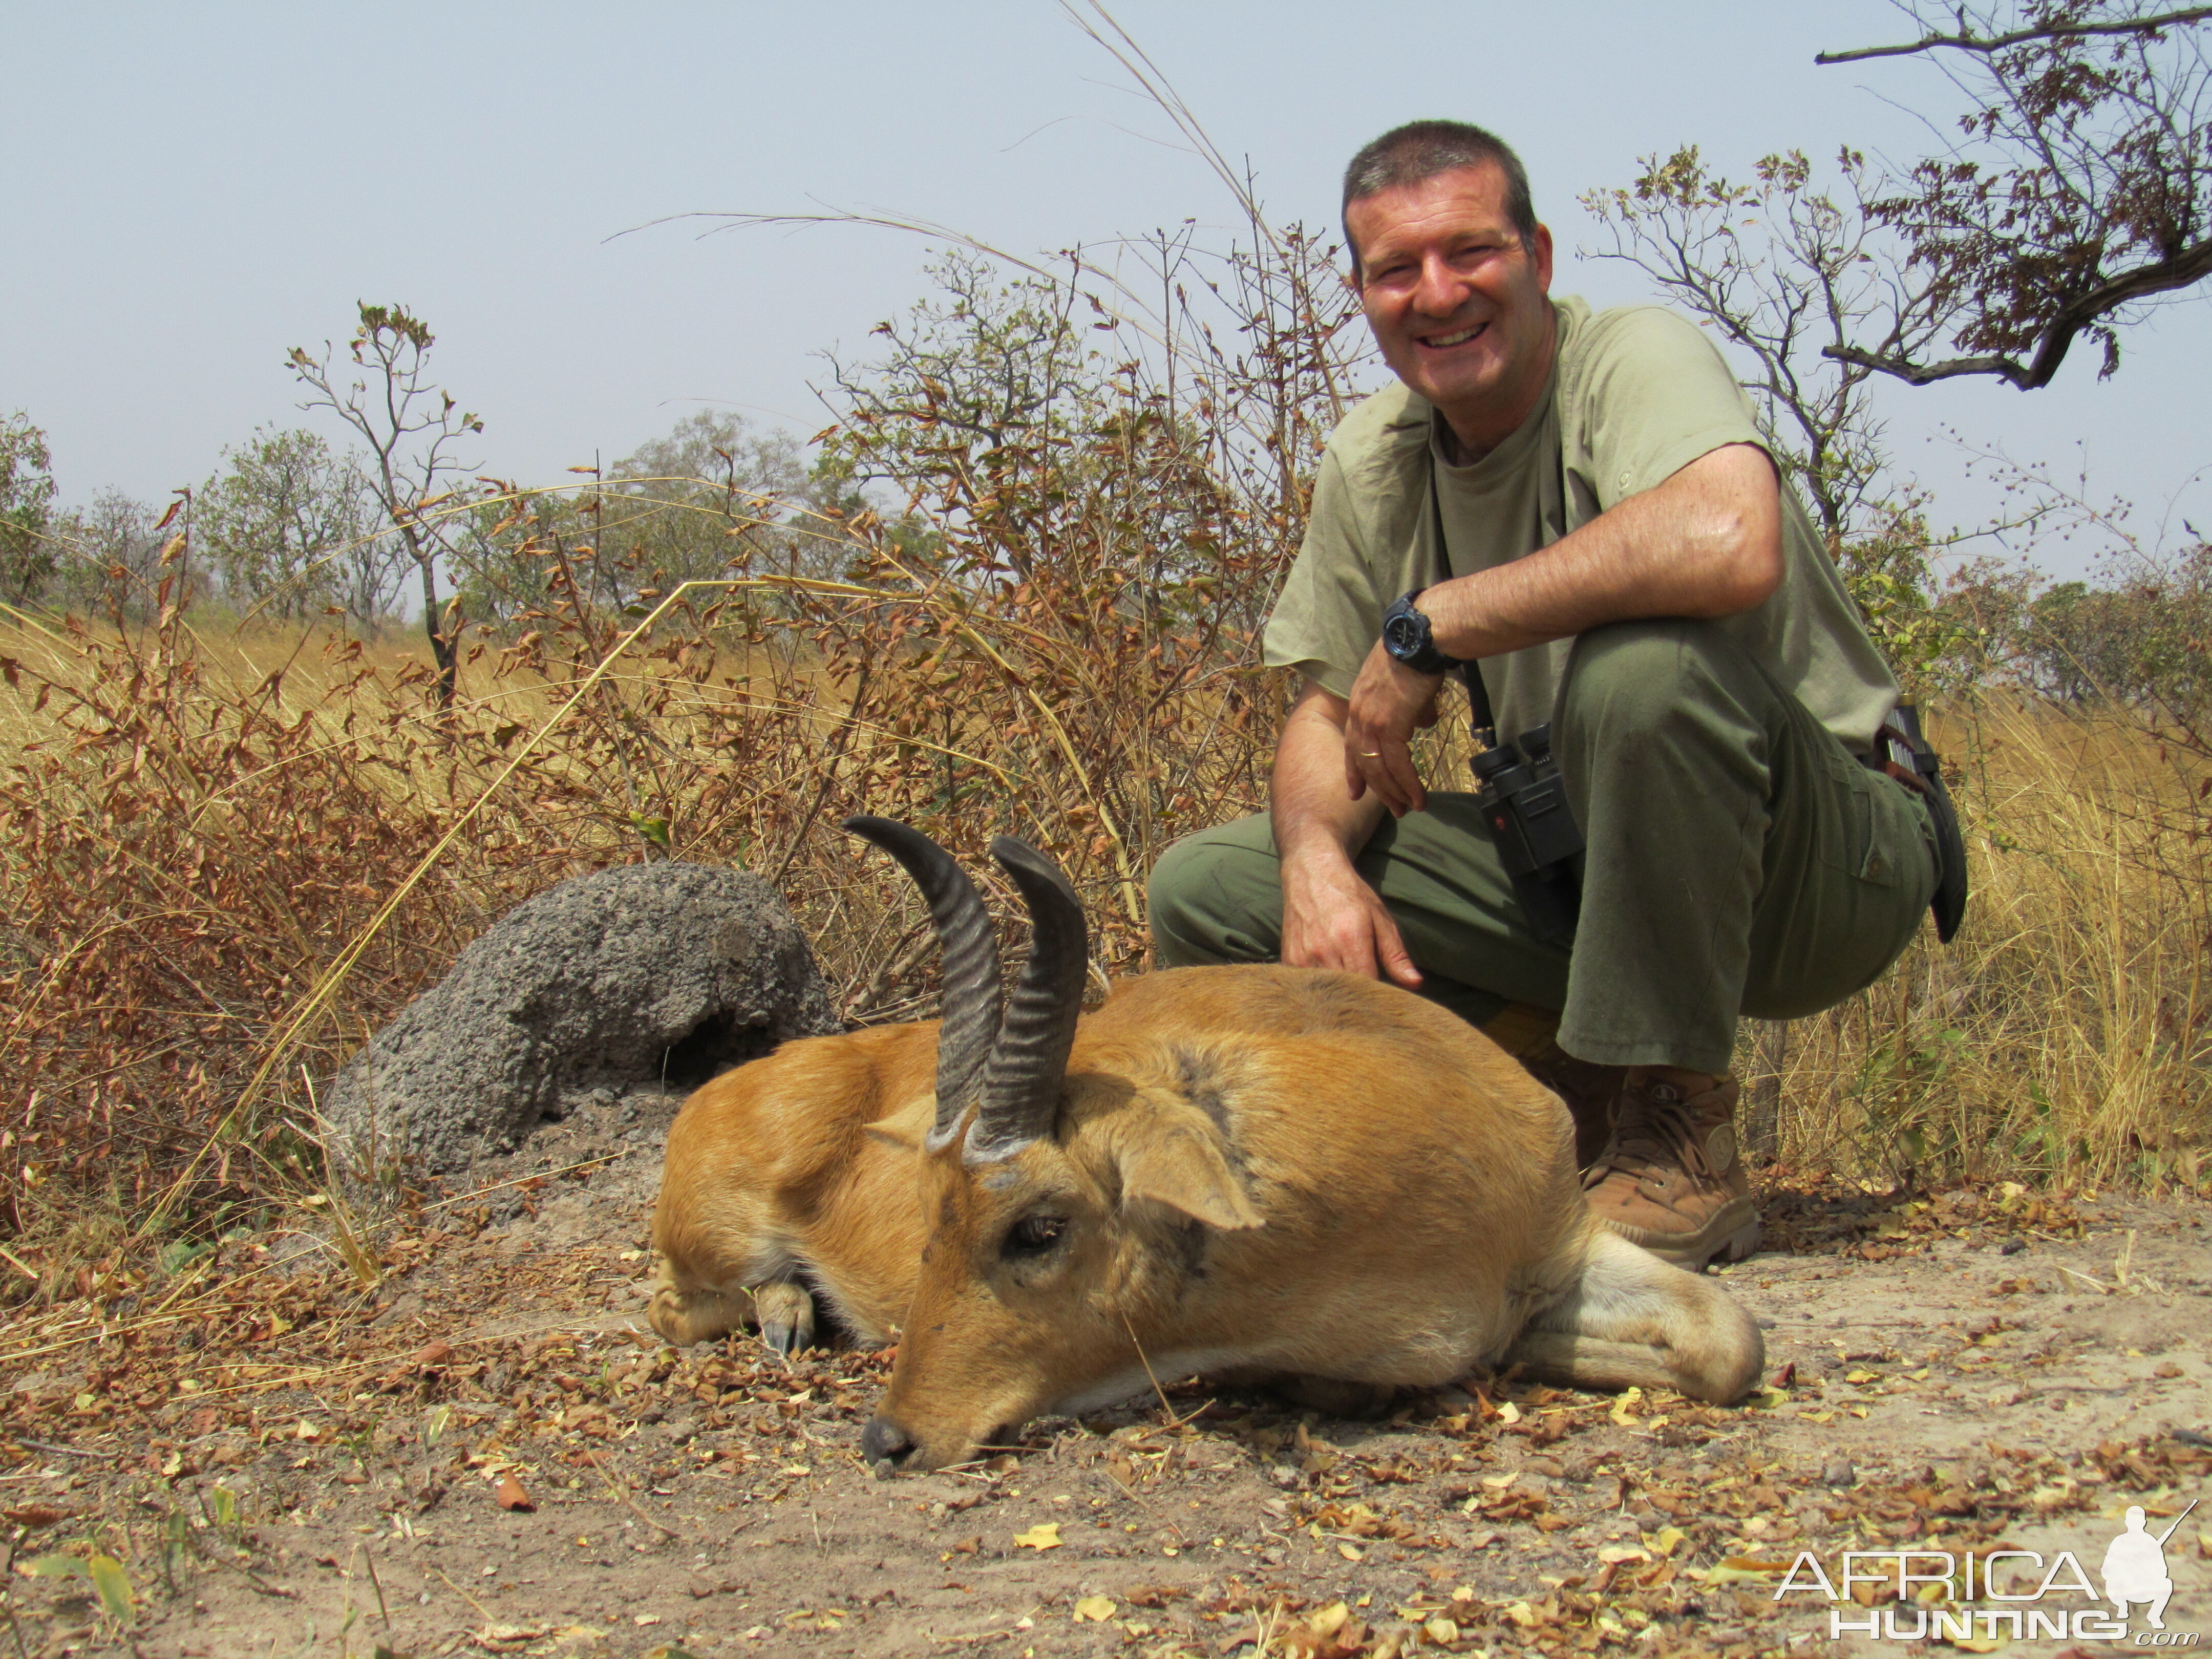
(1999, 1595)
(2135, 1568)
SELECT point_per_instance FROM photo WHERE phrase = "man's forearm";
(1706, 543)
(1312, 809)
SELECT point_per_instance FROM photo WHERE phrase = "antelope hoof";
(786, 1317)
(683, 1318)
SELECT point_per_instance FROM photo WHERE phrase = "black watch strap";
(1406, 637)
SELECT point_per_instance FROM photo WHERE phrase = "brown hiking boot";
(1671, 1179)
(1591, 1092)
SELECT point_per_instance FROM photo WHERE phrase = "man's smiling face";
(1458, 305)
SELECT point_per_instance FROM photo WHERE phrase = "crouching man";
(1582, 505)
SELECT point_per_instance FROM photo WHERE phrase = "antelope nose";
(885, 1445)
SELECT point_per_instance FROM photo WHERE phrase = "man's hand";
(1389, 703)
(1332, 919)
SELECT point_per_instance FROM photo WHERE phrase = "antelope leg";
(1634, 1319)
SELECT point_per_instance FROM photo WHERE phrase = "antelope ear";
(903, 1128)
(894, 1134)
(1181, 1165)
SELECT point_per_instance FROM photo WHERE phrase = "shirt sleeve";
(1657, 396)
(1328, 616)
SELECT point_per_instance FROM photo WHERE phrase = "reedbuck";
(1270, 1172)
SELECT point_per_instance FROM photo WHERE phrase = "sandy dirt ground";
(458, 1436)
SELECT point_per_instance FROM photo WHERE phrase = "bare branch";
(1966, 42)
(2191, 265)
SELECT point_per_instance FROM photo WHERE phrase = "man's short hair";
(1420, 150)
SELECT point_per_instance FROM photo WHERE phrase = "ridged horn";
(1021, 1083)
(970, 1030)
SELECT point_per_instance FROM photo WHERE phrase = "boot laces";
(1655, 1133)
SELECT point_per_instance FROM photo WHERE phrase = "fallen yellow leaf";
(1096, 1609)
(1620, 1414)
(1667, 1540)
(1330, 1620)
(1740, 1570)
(1045, 1536)
(1350, 1552)
(1509, 1413)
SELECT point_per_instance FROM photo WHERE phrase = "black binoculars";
(1523, 800)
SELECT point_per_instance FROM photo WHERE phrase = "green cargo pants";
(1739, 860)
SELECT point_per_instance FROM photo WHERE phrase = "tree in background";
(2079, 189)
(712, 493)
(410, 427)
(296, 533)
(108, 557)
(682, 504)
(2080, 185)
(963, 382)
(2145, 640)
(26, 496)
(1781, 269)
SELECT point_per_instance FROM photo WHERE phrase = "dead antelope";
(1272, 1172)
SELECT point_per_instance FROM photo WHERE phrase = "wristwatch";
(1406, 636)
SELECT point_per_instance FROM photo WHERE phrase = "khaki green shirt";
(1636, 395)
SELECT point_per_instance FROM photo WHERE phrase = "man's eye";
(1033, 1234)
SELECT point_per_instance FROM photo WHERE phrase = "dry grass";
(2063, 1034)
(231, 856)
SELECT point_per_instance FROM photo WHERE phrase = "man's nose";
(1438, 293)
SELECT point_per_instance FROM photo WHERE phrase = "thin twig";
(377, 1584)
(599, 1461)
(483, 1611)
(63, 1451)
(1966, 42)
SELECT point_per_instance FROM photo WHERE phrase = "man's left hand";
(1389, 703)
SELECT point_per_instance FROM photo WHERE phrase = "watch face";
(1402, 635)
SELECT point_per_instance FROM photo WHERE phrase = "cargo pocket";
(1851, 831)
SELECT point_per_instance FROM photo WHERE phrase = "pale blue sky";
(191, 190)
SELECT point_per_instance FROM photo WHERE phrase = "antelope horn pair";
(1008, 1067)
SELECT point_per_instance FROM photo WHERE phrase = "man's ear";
(1178, 1161)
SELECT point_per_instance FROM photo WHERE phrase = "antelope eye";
(1033, 1234)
